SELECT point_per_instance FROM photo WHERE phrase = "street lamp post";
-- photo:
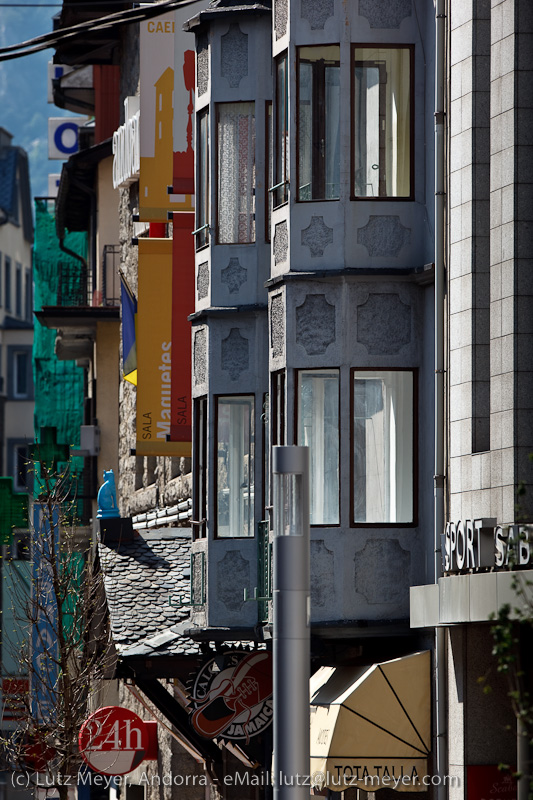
(290, 468)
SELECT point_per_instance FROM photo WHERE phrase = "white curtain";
(236, 173)
(383, 447)
(235, 466)
(318, 429)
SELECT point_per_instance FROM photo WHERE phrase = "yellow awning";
(371, 727)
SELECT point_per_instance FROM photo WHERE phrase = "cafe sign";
(231, 695)
(482, 543)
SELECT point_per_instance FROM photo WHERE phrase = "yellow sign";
(154, 351)
(157, 41)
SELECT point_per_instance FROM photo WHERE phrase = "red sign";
(232, 695)
(114, 740)
(489, 783)
(14, 691)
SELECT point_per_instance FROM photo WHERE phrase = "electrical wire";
(73, 32)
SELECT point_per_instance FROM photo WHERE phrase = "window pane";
(21, 374)
(382, 120)
(18, 291)
(20, 467)
(27, 295)
(200, 467)
(235, 466)
(318, 429)
(236, 173)
(318, 123)
(7, 283)
(281, 161)
(270, 162)
(383, 447)
(202, 199)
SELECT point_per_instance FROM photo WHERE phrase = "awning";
(371, 726)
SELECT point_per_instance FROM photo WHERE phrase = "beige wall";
(108, 230)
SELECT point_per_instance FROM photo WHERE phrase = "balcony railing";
(75, 286)
(110, 275)
(264, 570)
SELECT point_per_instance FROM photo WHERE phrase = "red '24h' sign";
(114, 740)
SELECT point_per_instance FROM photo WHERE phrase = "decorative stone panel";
(198, 578)
(202, 64)
(235, 357)
(315, 324)
(234, 55)
(316, 12)
(280, 18)
(202, 280)
(382, 570)
(385, 15)
(281, 242)
(322, 584)
(384, 236)
(233, 575)
(317, 236)
(277, 325)
(384, 324)
(200, 356)
(234, 275)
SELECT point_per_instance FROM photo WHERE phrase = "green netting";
(59, 280)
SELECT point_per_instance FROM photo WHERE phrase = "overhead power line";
(110, 21)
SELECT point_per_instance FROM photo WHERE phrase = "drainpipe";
(438, 486)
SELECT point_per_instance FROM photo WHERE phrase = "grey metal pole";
(290, 468)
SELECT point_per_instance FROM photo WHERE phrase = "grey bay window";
(318, 429)
(235, 465)
(383, 446)
(202, 180)
(236, 172)
(382, 122)
(319, 123)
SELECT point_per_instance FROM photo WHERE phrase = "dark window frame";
(338, 370)
(415, 373)
(269, 162)
(28, 295)
(7, 283)
(216, 399)
(13, 372)
(280, 195)
(18, 289)
(14, 446)
(382, 46)
(202, 182)
(318, 126)
(217, 164)
(200, 468)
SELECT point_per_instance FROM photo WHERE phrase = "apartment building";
(486, 506)
(16, 324)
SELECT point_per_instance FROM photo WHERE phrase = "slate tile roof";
(139, 577)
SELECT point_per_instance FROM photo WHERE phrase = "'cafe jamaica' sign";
(232, 695)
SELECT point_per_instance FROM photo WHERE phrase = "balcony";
(84, 295)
